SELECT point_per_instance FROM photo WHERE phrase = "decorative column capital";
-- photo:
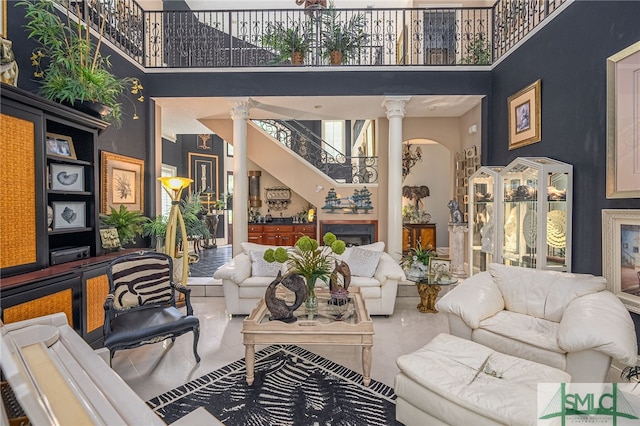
(240, 108)
(395, 105)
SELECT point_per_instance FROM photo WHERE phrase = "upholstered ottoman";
(456, 381)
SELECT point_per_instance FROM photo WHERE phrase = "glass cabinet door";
(484, 194)
(537, 213)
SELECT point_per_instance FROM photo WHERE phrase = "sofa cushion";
(501, 387)
(363, 262)
(262, 268)
(540, 293)
(524, 328)
(247, 247)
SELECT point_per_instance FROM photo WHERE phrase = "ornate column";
(456, 247)
(240, 113)
(395, 114)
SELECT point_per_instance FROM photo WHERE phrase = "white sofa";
(243, 290)
(567, 321)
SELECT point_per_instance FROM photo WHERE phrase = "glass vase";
(311, 302)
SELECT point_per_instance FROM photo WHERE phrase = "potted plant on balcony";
(291, 42)
(342, 41)
(69, 64)
(478, 51)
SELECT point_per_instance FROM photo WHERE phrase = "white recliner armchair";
(564, 320)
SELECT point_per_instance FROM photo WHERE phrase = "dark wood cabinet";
(425, 233)
(279, 234)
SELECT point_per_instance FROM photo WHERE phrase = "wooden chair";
(141, 305)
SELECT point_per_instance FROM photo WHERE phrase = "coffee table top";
(352, 317)
(430, 280)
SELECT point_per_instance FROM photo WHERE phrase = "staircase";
(278, 160)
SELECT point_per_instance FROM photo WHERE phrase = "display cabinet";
(537, 211)
(485, 193)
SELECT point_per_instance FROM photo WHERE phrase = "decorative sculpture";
(279, 309)
(416, 194)
(334, 281)
(456, 214)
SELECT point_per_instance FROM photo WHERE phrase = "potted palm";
(290, 42)
(342, 41)
(128, 223)
(69, 63)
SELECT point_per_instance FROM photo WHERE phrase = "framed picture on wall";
(623, 126)
(523, 109)
(621, 254)
(203, 169)
(121, 182)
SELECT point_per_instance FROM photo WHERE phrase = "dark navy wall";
(569, 56)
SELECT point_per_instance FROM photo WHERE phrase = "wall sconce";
(410, 158)
(311, 215)
(174, 186)
(319, 188)
(254, 188)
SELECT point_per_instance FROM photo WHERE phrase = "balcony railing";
(239, 38)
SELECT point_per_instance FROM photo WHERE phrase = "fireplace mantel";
(349, 229)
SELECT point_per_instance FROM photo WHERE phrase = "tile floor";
(154, 369)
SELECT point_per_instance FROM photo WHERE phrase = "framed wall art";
(623, 123)
(203, 169)
(524, 119)
(121, 182)
(60, 146)
(69, 214)
(621, 255)
(66, 177)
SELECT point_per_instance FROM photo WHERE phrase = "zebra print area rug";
(292, 387)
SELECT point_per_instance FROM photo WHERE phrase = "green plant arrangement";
(192, 212)
(156, 229)
(416, 262)
(291, 42)
(69, 64)
(478, 51)
(342, 41)
(309, 260)
(129, 224)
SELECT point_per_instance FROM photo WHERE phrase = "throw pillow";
(262, 268)
(363, 262)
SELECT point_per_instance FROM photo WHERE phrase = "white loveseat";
(567, 321)
(243, 289)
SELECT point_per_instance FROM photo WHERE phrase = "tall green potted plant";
(291, 42)
(69, 63)
(342, 41)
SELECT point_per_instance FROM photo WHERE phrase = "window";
(333, 136)
(166, 171)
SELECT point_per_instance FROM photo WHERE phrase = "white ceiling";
(182, 115)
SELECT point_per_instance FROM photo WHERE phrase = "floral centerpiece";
(416, 262)
(309, 260)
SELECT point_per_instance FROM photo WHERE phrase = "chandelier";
(410, 158)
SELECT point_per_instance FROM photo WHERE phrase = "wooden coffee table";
(317, 328)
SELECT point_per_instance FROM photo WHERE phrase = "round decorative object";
(557, 229)
(529, 228)
(49, 216)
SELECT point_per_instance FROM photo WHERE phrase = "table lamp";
(174, 186)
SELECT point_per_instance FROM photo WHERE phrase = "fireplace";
(352, 232)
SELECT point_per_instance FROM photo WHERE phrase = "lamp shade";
(175, 183)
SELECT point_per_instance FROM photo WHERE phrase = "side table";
(428, 289)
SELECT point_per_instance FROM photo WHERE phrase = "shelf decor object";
(485, 193)
(536, 211)
(174, 186)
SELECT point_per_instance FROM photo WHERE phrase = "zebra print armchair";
(141, 305)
